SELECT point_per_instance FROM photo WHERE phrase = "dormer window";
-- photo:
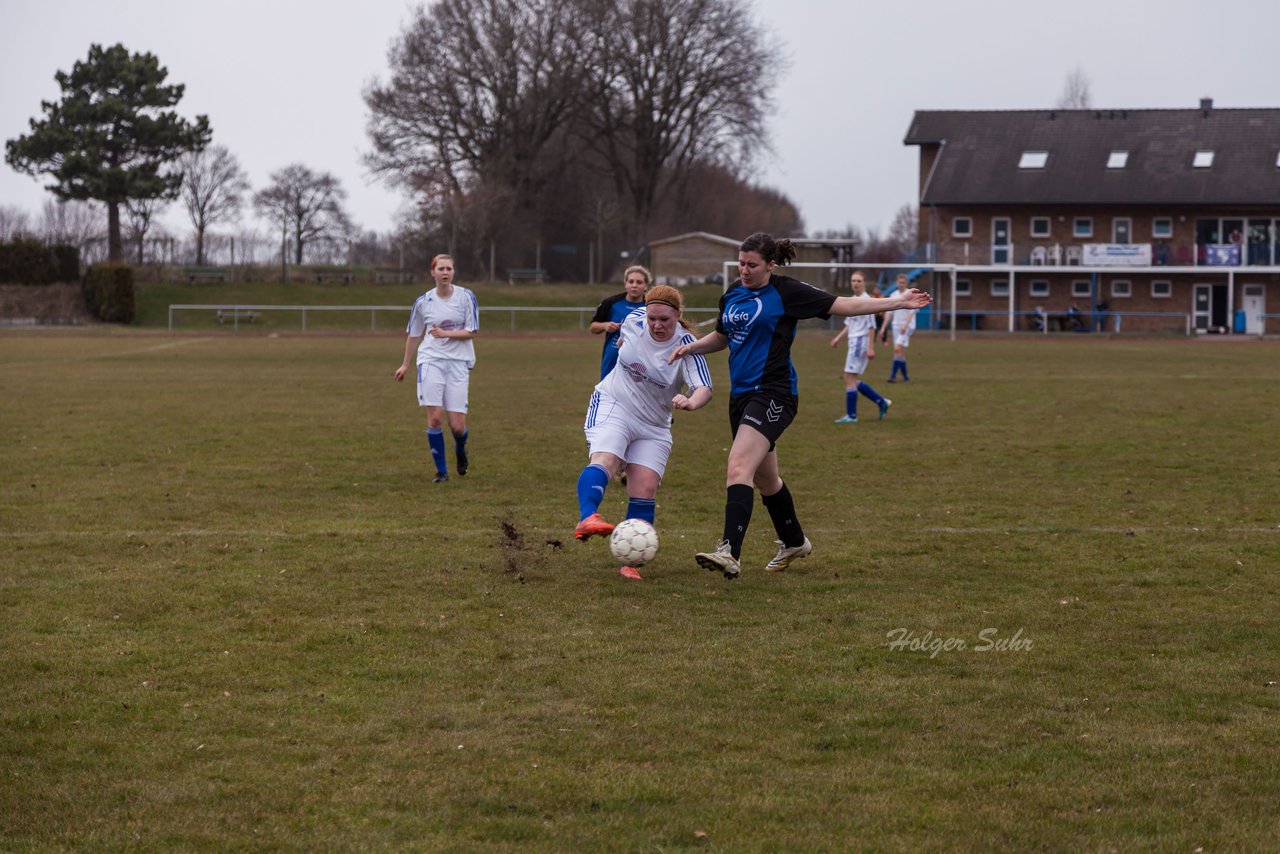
(1118, 160)
(1033, 160)
(1202, 160)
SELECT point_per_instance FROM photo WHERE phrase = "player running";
(442, 325)
(861, 331)
(628, 420)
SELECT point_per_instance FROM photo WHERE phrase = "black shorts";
(769, 414)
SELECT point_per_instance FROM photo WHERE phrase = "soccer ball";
(634, 542)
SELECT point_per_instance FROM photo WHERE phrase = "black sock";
(737, 515)
(782, 510)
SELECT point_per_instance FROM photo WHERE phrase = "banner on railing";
(1117, 255)
(1222, 255)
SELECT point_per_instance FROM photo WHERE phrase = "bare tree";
(904, 231)
(75, 223)
(14, 223)
(139, 216)
(1076, 93)
(213, 185)
(673, 85)
(308, 205)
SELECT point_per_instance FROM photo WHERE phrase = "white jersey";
(642, 381)
(459, 311)
(904, 319)
(862, 324)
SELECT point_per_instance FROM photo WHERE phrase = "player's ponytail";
(781, 252)
(668, 295)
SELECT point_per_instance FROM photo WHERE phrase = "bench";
(205, 274)
(235, 315)
(392, 274)
(532, 273)
(333, 276)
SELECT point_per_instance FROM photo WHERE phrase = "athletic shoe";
(720, 560)
(884, 407)
(441, 477)
(592, 526)
(786, 554)
(463, 463)
(630, 572)
(845, 419)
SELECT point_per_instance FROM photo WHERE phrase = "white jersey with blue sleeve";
(459, 311)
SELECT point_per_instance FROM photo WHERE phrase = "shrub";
(66, 263)
(26, 261)
(108, 291)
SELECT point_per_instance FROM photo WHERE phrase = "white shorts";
(611, 429)
(856, 361)
(444, 383)
(902, 337)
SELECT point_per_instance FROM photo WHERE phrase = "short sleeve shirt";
(459, 311)
(760, 325)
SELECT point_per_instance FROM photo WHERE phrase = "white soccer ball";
(634, 542)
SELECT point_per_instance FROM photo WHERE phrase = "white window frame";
(1155, 227)
(1048, 226)
(1039, 288)
(1076, 231)
(1033, 160)
(955, 226)
(1202, 159)
(1077, 291)
(1121, 289)
(1002, 285)
(1168, 289)
(1118, 159)
(964, 287)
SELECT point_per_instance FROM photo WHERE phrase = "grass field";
(237, 615)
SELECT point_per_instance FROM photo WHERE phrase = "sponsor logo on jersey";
(449, 324)
(738, 318)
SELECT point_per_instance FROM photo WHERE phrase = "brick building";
(1156, 219)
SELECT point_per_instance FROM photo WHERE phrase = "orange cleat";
(592, 526)
(630, 572)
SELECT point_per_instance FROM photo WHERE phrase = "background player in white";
(903, 323)
(629, 417)
(861, 331)
(442, 324)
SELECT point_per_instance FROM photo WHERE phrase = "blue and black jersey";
(613, 310)
(760, 325)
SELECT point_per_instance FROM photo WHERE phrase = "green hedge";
(108, 292)
(29, 262)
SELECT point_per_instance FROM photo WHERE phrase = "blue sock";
(872, 394)
(851, 403)
(591, 486)
(893, 375)
(904, 371)
(460, 441)
(435, 438)
(642, 508)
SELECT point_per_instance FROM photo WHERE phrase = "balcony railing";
(1162, 254)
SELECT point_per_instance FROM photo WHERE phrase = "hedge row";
(108, 292)
(30, 262)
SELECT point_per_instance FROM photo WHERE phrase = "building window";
(1081, 288)
(1033, 160)
(1202, 160)
(1040, 226)
(1121, 288)
(1040, 288)
(999, 287)
(1162, 226)
(1162, 289)
(962, 226)
(1118, 160)
(1082, 226)
(964, 287)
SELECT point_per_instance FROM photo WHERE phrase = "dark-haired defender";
(757, 322)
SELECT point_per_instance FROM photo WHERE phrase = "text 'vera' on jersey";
(459, 311)
(760, 325)
(642, 381)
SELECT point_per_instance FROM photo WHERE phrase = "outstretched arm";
(851, 307)
(712, 342)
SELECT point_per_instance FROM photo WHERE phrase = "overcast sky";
(281, 80)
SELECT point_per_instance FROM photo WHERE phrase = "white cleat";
(785, 555)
